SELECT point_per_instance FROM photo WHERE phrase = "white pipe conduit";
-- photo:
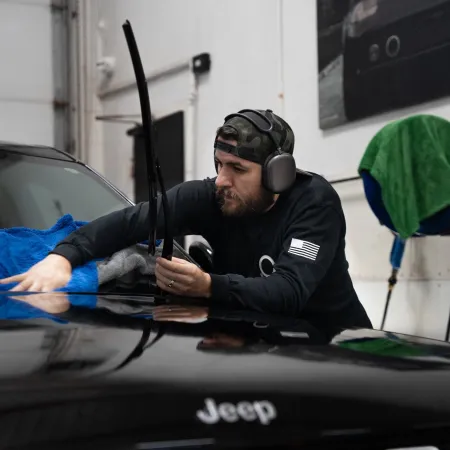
(151, 77)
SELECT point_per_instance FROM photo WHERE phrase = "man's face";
(239, 188)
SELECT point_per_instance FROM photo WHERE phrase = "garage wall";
(26, 74)
(264, 55)
(172, 31)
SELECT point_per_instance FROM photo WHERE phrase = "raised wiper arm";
(153, 167)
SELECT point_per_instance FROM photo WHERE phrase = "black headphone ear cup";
(266, 181)
(279, 172)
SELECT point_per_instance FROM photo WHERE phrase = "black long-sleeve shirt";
(290, 259)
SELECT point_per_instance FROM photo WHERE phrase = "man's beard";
(244, 207)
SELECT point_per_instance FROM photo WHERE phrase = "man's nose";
(223, 179)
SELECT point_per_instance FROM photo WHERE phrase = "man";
(277, 233)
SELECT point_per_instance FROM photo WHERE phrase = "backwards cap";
(255, 145)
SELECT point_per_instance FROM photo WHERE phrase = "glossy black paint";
(71, 373)
(102, 370)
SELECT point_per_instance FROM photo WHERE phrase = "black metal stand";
(345, 180)
(447, 333)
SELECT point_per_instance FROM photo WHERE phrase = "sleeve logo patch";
(304, 248)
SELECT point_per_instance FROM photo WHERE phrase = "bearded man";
(277, 232)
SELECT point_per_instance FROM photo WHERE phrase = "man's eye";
(238, 169)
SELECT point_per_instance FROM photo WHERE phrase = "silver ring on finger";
(171, 283)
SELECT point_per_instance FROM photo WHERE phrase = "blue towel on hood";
(21, 248)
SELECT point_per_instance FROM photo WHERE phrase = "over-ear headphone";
(279, 169)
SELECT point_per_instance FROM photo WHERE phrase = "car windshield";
(35, 192)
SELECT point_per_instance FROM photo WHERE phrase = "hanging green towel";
(410, 159)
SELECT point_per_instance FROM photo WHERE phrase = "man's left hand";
(180, 277)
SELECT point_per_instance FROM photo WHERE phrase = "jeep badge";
(262, 411)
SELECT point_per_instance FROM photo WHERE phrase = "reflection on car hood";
(391, 11)
(106, 353)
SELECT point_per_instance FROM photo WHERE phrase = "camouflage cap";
(254, 142)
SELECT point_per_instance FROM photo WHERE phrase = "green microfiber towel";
(410, 159)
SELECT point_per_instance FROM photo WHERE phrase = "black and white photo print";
(380, 55)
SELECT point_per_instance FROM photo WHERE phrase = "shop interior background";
(59, 87)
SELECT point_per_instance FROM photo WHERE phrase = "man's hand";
(51, 273)
(180, 277)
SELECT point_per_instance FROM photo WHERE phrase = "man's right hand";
(51, 273)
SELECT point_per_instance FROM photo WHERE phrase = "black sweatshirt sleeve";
(191, 205)
(309, 247)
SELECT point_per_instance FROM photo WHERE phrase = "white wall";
(240, 77)
(26, 74)
(256, 65)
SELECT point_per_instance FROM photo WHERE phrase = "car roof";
(40, 151)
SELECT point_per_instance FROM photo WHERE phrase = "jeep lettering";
(264, 411)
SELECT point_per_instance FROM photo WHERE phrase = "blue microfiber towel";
(21, 248)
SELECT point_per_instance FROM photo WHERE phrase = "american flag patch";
(304, 248)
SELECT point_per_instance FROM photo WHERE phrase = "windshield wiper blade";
(153, 168)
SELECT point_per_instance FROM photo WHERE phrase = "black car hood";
(105, 365)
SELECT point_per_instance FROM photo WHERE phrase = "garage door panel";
(27, 123)
(26, 51)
